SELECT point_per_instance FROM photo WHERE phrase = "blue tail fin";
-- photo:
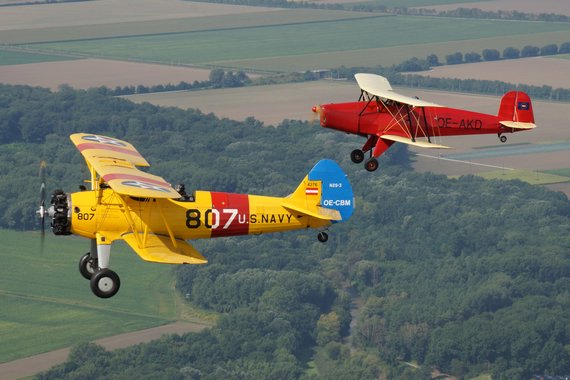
(336, 191)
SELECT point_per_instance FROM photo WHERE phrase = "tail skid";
(325, 193)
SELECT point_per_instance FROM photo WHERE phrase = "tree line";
(460, 12)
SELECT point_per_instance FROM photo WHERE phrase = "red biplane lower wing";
(409, 141)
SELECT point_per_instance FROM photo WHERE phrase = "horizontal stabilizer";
(160, 249)
(379, 86)
(421, 144)
(518, 125)
(318, 212)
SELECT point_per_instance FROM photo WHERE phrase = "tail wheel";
(105, 283)
(88, 266)
(371, 164)
(357, 156)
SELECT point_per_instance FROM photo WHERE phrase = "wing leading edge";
(116, 162)
(421, 144)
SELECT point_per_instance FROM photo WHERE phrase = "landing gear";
(371, 164)
(105, 283)
(88, 266)
(357, 156)
(503, 138)
(323, 237)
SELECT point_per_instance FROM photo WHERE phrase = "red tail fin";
(516, 106)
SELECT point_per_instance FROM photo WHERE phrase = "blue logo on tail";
(336, 190)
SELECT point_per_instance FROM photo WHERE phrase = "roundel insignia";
(146, 186)
(104, 140)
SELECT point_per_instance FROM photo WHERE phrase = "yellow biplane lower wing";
(160, 249)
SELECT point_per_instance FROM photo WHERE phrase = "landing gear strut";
(104, 282)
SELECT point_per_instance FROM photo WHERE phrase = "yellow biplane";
(155, 220)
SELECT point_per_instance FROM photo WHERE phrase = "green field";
(329, 43)
(16, 57)
(46, 304)
(532, 177)
(174, 26)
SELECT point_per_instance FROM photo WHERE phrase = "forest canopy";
(465, 275)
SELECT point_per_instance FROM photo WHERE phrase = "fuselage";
(206, 215)
(375, 118)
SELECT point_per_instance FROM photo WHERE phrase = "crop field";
(79, 74)
(15, 58)
(525, 6)
(229, 17)
(46, 304)
(349, 40)
(532, 177)
(536, 71)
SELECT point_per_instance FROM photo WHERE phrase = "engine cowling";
(60, 213)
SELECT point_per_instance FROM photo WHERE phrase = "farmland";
(277, 47)
(538, 71)
(46, 304)
(43, 296)
(527, 6)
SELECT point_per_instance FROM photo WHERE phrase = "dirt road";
(30, 366)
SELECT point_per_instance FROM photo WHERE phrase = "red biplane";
(384, 117)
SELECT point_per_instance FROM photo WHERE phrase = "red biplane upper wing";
(379, 86)
(115, 161)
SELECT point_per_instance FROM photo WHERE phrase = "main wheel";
(105, 283)
(88, 266)
(357, 156)
(323, 237)
(503, 139)
(371, 164)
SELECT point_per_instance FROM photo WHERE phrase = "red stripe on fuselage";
(233, 210)
(112, 148)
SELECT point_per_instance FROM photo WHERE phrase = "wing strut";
(426, 124)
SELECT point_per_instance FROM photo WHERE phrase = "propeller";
(42, 209)
(317, 113)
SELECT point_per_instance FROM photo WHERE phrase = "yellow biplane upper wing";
(116, 163)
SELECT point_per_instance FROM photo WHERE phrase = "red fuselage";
(372, 118)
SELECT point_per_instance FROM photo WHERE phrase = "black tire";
(371, 164)
(503, 139)
(88, 266)
(323, 237)
(105, 283)
(357, 156)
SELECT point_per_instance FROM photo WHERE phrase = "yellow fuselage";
(207, 215)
